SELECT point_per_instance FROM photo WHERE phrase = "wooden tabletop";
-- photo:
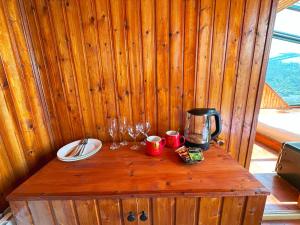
(126, 172)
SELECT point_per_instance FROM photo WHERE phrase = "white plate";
(92, 147)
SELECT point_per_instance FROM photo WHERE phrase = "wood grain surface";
(127, 172)
(271, 100)
(164, 211)
(68, 66)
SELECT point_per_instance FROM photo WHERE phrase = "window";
(283, 72)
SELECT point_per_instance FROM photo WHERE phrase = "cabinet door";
(139, 208)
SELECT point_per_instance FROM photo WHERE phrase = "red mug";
(155, 145)
(174, 139)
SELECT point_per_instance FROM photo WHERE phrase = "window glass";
(283, 72)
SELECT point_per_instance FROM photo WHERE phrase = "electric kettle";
(197, 131)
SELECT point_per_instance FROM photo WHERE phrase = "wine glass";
(133, 131)
(113, 132)
(144, 129)
(123, 129)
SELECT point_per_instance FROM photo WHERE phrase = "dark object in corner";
(288, 163)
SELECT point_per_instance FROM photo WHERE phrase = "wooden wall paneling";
(177, 17)
(52, 66)
(94, 67)
(41, 212)
(233, 209)
(64, 212)
(65, 63)
(40, 66)
(271, 100)
(117, 11)
(135, 51)
(30, 84)
(7, 176)
(21, 212)
(110, 211)
(87, 211)
(191, 31)
(82, 61)
(231, 62)
(187, 211)
(243, 75)
(254, 210)
(262, 80)
(260, 41)
(210, 211)
(283, 4)
(166, 216)
(17, 81)
(162, 65)
(106, 56)
(149, 61)
(10, 133)
(207, 8)
(219, 43)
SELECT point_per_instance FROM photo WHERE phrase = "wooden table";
(108, 187)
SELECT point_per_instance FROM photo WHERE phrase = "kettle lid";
(202, 111)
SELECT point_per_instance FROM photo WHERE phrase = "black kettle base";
(202, 146)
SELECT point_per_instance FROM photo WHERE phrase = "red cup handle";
(182, 140)
(163, 141)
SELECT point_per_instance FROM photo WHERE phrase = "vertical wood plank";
(204, 52)
(29, 80)
(133, 31)
(65, 61)
(254, 210)
(220, 31)
(92, 51)
(209, 211)
(243, 76)
(190, 54)
(41, 70)
(21, 212)
(149, 61)
(41, 212)
(110, 211)
(120, 55)
(176, 62)
(260, 41)
(83, 76)
(130, 205)
(231, 63)
(15, 76)
(232, 210)
(143, 204)
(162, 65)
(165, 216)
(65, 212)
(10, 133)
(106, 54)
(262, 80)
(187, 211)
(7, 176)
(137, 206)
(87, 211)
(40, 7)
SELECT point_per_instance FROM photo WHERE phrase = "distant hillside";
(283, 75)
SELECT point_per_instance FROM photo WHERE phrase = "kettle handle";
(218, 125)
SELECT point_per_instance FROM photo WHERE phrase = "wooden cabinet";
(143, 211)
(129, 188)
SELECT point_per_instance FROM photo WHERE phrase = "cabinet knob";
(143, 216)
(131, 217)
